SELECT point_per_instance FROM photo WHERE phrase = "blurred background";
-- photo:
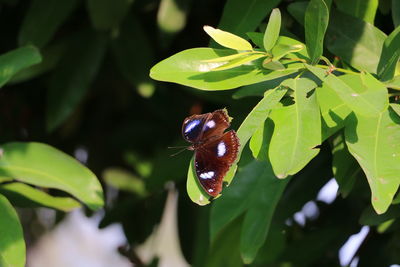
(92, 98)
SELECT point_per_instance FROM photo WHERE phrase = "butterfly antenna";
(177, 147)
(180, 151)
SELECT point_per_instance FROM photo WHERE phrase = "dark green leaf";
(369, 216)
(12, 245)
(30, 163)
(129, 52)
(355, 41)
(262, 202)
(373, 142)
(23, 195)
(272, 31)
(69, 84)
(106, 14)
(298, 10)
(345, 168)
(247, 15)
(43, 19)
(362, 9)
(390, 56)
(316, 22)
(396, 13)
(16, 60)
(257, 39)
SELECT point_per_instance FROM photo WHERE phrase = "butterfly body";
(215, 149)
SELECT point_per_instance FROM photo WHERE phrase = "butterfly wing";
(192, 128)
(213, 159)
(215, 125)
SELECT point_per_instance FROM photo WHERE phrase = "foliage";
(313, 87)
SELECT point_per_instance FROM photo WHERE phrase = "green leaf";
(229, 58)
(12, 245)
(355, 41)
(297, 130)
(390, 56)
(16, 60)
(363, 9)
(228, 39)
(29, 163)
(124, 180)
(105, 14)
(128, 52)
(316, 23)
(333, 110)
(361, 92)
(396, 13)
(273, 65)
(253, 120)
(373, 141)
(394, 83)
(238, 62)
(369, 216)
(281, 49)
(262, 202)
(344, 166)
(247, 15)
(23, 195)
(51, 56)
(43, 19)
(257, 38)
(298, 10)
(272, 31)
(69, 84)
(259, 142)
(189, 68)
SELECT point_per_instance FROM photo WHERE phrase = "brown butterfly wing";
(213, 159)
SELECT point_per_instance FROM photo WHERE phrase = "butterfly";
(215, 150)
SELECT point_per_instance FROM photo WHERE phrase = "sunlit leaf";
(373, 141)
(272, 31)
(12, 245)
(238, 62)
(361, 92)
(297, 130)
(23, 195)
(171, 15)
(29, 163)
(228, 39)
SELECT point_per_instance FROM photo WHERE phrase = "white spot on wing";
(207, 175)
(191, 125)
(221, 149)
(210, 124)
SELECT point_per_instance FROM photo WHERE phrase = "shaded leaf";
(272, 31)
(16, 60)
(227, 39)
(247, 14)
(373, 141)
(273, 65)
(23, 195)
(297, 130)
(12, 245)
(124, 180)
(396, 13)
(362, 92)
(355, 41)
(105, 14)
(369, 216)
(390, 56)
(344, 166)
(43, 19)
(69, 84)
(316, 23)
(363, 9)
(29, 163)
